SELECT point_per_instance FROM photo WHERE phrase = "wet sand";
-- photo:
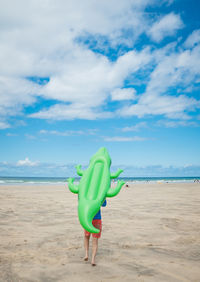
(151, 232)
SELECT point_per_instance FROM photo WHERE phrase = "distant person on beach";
(97, 222)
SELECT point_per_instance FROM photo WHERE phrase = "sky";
(79, 75)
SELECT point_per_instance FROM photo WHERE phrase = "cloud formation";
(177, 123)
(26, 162)
(174, 71)
(124, 139)
(166, 26)
(48, 40)
(123, 94)
(68, 132)
(135, 127)
(193, 39)
(68, 170)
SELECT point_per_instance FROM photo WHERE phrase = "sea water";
(62, 180)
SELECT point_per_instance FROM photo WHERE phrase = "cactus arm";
(116, 174)
(114, 191)
(79, 170)
(73, 188)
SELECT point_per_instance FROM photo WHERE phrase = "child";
(95, 236)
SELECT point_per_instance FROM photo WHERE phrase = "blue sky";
(79, 75)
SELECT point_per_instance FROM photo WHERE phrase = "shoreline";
(128, 180)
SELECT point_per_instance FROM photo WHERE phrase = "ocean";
(61, 180)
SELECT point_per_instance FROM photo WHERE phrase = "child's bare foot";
(86, 258)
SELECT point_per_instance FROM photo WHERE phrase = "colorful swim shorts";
(98, 224)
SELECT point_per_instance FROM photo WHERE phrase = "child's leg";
(86, 245)
(94, 250)
(98, 224)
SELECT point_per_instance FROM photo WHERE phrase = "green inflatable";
(94, 187)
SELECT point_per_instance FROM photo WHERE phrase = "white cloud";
(38, 38)
(11, 134)
(30, 137)
(65, 170)
(26, 162)
(170, 106)
(124, 139)
(169, 2)
(68, 132)
(86, 84)
(166, 26)
(41, 39)
(160, 170)
(41, 169)
(193, 39)
(74, 111)
(15, 93)
(177, 123)
(135, 127)
(175, 70)
(123, 94)
(4, 125)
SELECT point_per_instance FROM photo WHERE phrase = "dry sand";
(151, 232)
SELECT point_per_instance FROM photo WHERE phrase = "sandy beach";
(151, 232)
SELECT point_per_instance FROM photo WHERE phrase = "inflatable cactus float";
(94, 187)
